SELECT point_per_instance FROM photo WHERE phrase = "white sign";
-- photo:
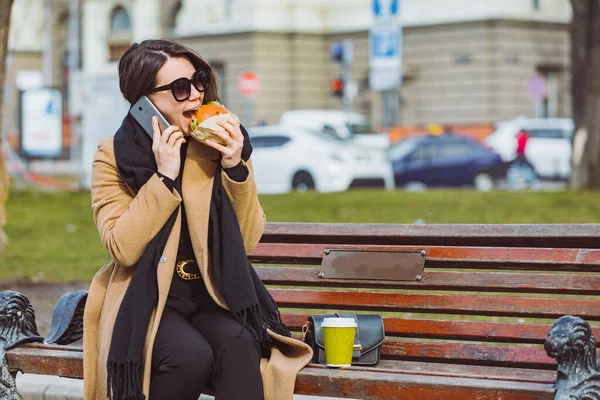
(385, 46)
(41, 122)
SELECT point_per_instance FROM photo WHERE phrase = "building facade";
(464, 62)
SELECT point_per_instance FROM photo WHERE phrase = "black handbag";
(368, 340)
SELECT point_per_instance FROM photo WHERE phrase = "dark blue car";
(445, 160)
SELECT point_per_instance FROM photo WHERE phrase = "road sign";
(536, 87)
(249, 84)
(385, 46)
(41, 135)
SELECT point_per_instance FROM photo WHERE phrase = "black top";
(239, 173)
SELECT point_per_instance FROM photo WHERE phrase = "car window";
(269, 141)
(550, 133)
(402, 149)
(453, 150)
(330, 131)
(424, 153)
(360, 128)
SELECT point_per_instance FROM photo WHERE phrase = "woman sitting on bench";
(179, 308)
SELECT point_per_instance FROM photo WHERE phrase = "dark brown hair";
(138, 68)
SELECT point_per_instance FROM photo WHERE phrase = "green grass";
(52, 236)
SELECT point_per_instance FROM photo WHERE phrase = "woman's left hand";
(232, 153)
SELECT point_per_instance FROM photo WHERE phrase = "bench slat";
(393, 378)
(453, 330)
(445, 257)
(466, 371)
(356, 383)
(583, 284)
(67, 363)
(470, 354)
(505, 235)
(437, 303)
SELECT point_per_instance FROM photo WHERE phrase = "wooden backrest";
(488, 295)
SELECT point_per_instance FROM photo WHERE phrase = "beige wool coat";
(127, 222)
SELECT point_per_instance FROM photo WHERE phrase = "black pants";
(199, 345)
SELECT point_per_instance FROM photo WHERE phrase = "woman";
(180, 308)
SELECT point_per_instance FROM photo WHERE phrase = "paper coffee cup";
(338, 335)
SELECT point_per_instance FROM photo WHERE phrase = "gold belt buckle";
(183, 274)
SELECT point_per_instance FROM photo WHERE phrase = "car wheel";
(483, 182)
(303, 182)
(415, 186)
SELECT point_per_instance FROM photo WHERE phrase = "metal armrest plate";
(396, 265)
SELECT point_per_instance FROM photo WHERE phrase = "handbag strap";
(357, 345)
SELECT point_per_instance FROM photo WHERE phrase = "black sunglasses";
(181, 88)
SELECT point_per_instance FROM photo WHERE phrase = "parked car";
(548, 148)
(371, 167)
(339, 125)
(445, 160)
(286, 158)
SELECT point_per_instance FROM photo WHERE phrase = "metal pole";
(73, 43)
(346, 76)
(249, 111)
(390, 108)
(73, 63)
(47, 56)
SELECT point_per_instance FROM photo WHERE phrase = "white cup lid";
(339, 322)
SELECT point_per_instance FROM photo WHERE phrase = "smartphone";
(143, 111)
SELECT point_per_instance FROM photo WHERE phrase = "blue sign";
(385, 46)
(385, 7)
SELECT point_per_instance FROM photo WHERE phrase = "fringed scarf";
(244, 292)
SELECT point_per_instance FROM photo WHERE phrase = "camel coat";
(127, 222)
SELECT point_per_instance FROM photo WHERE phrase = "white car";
(548, 148)
(338, 124)
(288, 158)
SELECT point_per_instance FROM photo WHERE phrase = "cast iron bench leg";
(17, 327)
(571, 342)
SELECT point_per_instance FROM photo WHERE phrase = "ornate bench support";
(571, 342)
(17, 327)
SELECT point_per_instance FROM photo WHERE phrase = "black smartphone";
(143, 111)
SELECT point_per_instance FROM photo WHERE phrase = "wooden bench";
(473, 326)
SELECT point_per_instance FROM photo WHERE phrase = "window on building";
(548, 106)
(536, 4)
(227, 8)
(119, 20)
(120, 33)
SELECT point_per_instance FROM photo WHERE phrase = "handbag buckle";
(305, 330)
(358, 347)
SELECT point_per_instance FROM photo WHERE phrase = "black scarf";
(244, 292)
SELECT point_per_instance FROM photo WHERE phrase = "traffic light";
(337, 52)
(337, 87)
(342, 52)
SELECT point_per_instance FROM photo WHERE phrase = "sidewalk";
(43, 387)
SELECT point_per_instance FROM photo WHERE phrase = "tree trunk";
(5, 11)
(585, 89)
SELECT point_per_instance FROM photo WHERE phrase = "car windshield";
(402, 149)
(360, 128)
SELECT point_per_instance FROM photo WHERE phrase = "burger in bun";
(206, 119)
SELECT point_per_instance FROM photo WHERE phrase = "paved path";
(43, 387)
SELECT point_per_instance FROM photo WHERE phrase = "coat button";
(163, 259)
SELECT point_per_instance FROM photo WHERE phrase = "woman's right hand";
(167, 149)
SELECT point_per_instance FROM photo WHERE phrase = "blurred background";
(371, 72)
(379, 111)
